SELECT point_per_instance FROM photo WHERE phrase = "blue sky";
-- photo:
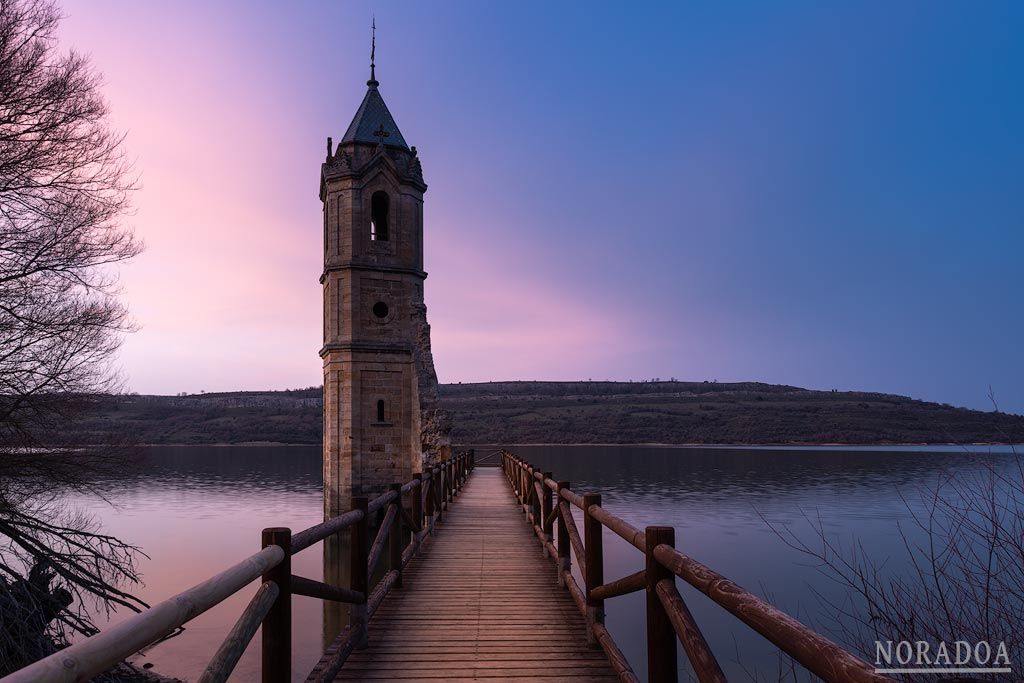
(819, 194)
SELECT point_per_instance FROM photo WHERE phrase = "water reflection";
(337, 572)
(197, 510)
(721, 502)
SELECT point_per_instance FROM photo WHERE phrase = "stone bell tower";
(379, 383)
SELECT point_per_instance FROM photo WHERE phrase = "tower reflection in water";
(337, 615)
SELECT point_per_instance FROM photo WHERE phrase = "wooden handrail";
(615, 657)
(380, 501)
(377, 549)
(818, 654)
(572, 497)
(574, 535)
(672, 621)
(704, 663)
(96, 654)
(621, 528)
(380, 591)
(624, 586)
(325, 591)
(346, 642)
(319, 532)
(270, 607)
(230, 651)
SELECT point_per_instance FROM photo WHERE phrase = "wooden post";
(593, 551)
(661, 637)
(472, 459)
(445, 484)
(395, 537)
(277, 625)
(564, 551)
(442, 488)
(428, 500)
(417, 507)
(528, 490)
(545, 512)
(359, 581)
(524, 477)
(538, 521)
(439, 491)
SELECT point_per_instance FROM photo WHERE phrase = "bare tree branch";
(64, 187)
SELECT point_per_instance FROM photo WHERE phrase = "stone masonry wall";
(436, 422)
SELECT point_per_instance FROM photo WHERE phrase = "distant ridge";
(670, 412)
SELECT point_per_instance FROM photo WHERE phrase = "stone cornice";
(368, 347)
(356, 265)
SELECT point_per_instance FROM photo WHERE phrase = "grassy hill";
(711, 413)
(575, 412)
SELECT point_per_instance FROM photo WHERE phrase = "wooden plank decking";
(480, 604)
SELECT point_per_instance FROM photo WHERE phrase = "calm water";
(197, 510)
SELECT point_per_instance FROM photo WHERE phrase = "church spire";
(373, 51)
(373, 116)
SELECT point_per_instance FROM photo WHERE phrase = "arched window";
(380, 410)
(379, 216)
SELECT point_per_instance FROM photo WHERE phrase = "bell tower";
(376, 352)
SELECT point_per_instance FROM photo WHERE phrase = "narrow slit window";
(380, 411)
(379, 216)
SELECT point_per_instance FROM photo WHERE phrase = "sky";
(825, 195)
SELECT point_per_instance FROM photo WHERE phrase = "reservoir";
(196, 510)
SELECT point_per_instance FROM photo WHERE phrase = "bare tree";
(64, 185)
(965, 550)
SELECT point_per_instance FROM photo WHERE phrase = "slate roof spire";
(373, 115)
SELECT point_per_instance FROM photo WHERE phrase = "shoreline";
(724, 446)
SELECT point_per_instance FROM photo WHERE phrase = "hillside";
(575, 412)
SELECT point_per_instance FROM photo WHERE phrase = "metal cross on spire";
(373, 52)
(380, 134)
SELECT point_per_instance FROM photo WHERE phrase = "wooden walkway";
(476, 607)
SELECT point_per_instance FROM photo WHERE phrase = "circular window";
(380, 309)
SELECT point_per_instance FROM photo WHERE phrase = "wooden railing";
(546, 503)
(428, 494)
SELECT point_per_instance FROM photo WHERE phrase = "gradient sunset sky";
(817, 194)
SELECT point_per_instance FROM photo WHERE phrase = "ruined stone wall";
(435, 421)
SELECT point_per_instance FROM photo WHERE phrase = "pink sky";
(226, 294)
(819, 195)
